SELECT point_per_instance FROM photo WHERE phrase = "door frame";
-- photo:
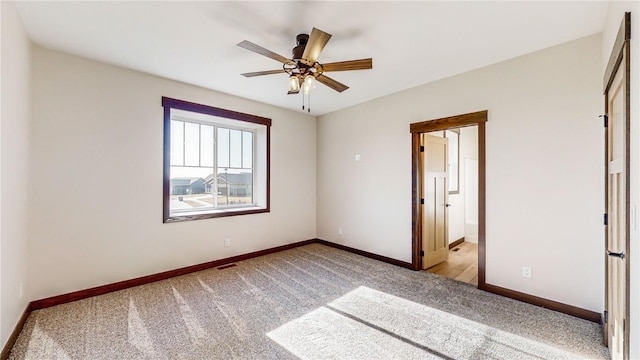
(453, 122)
(621, 50)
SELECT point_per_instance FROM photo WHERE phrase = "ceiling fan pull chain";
(308, 102)
(302, 101)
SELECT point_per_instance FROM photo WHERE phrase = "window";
(216, 162)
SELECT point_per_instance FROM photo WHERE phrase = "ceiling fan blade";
(260, 73)
(262, 51)
(339, 87)
(362, 64)
(317, 40)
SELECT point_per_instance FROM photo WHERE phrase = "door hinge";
(421, 148)
(605, 317)
(421, 201)
(606, 120)
(421, 252)
(606, 219)
(619, 255)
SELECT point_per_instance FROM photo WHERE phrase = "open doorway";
(455, 208)
(429, 196)
(617, 82)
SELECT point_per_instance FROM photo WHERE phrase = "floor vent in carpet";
(226, 266)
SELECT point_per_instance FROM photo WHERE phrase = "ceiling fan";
(303, 68)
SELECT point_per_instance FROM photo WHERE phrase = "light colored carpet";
(312, 302)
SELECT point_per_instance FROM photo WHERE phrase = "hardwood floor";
(462, 264)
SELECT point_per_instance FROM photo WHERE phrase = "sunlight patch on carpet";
(196, 332)
(233, 318)
(367, 323)
(138, 335)
(45, 345)
(324, 334)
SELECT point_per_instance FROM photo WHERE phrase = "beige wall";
(96, 209)
(544, 153)
(14, 167)
(614, 18)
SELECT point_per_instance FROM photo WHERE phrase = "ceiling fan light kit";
(294, 84)
(309, 84)
(303, 68)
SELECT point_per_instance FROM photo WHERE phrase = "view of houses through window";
(211, 166)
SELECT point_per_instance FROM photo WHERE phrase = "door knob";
(618, 255)
(447, 205)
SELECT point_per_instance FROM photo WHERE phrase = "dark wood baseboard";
(99, 290)
(121, 285)
(6, 350)
(545, 303)
(456, 243)
(367, 254)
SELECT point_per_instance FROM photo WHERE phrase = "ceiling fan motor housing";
(301, 42)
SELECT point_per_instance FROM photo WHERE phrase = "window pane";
(235, 187)
(190, 188)
(223, 147)
(206, 145)
(191, 144)
(177, 137)
(247, 150)
(236, 148)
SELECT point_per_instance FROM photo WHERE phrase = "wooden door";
(435, 242)
(617, 230)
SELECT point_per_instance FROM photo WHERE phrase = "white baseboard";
(471, 233)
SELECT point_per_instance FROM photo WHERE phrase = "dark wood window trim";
(454, 122)
(168, 104)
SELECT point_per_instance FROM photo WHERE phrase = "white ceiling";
(411, 43)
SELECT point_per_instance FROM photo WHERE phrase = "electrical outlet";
(227, 242)
(526, 271)
(340, 231)
(358, 157)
